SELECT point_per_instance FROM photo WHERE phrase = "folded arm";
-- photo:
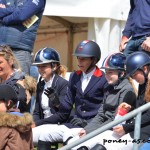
(20, 14)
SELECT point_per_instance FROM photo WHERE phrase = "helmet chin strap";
(120, 77)
(91, 65)
(54, 70)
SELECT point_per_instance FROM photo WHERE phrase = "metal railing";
(137, 112)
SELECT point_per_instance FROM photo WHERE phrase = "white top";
(86, 79)
(45, 100)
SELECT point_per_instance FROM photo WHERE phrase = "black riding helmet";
(88, 48)
(136, 61)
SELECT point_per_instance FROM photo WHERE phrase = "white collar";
(89, 74)
(49, 83)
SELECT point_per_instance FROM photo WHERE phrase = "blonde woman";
(11, 74)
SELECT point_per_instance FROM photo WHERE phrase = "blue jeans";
(134, 44)
(25, 60)
(145, 146)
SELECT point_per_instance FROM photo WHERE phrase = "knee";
(99, 147)
(67, 141)
(42, 145)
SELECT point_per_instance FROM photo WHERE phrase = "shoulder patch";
(98, 72)
(78, 72)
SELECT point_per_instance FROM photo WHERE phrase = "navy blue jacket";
(13, 32)
(86, 104)
(138, 22)
(60, 85)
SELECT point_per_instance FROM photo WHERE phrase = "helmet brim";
(82, 55)
(133, 71)
(112, 68)
(45, 62)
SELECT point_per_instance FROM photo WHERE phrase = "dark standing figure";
(136, 34)
(19, 23)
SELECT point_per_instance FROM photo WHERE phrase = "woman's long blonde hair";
(133, 85)
(147, 92)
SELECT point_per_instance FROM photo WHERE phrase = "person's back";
(14, 31)
(29, 83)
(15, 128)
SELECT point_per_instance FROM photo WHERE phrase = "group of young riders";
(68, 110)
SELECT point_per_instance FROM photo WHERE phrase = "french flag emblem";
(82, 44)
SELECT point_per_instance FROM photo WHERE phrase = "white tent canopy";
(114, 9)
(106, 19)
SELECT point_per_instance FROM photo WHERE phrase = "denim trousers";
(146, 146)
(25, 60)
(134, 44)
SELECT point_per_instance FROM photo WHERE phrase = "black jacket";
(60, 85)
(145, 118)
(13, 32)
(138, 22)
